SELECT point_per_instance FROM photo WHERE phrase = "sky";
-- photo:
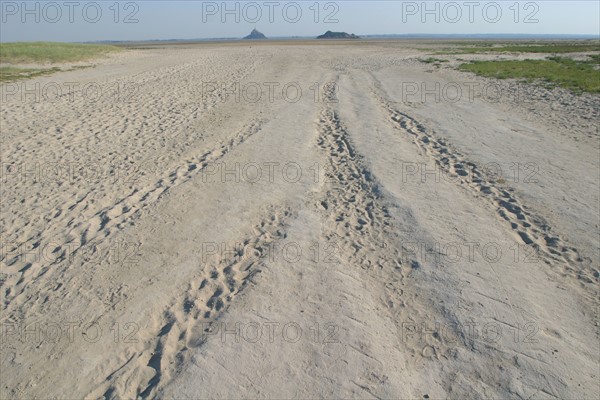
(81, 21)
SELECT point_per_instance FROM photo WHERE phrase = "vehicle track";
(528, 228)
(93, 231)
(185, 323)
(354, 204)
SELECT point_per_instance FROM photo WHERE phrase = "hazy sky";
(66, 20)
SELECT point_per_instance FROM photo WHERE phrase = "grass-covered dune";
(51, 52)
(12, 55)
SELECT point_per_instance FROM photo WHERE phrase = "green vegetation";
(549, 48)
(567, 48)
(12, 54)
(579, 76)
(594, 59)
(432, 60)
(8, 74)
(48, 52)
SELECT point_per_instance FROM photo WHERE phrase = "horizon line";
(361, 36)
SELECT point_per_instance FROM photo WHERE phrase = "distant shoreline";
(509, 37)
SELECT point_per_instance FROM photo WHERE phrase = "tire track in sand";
(527, 228)
(185, 323)
(360, 226)
(95, 230)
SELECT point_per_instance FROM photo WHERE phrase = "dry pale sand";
(160, 240)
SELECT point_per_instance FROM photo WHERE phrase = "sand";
(297, 221)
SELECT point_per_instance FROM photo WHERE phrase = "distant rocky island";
(338, 35)
(255, 35)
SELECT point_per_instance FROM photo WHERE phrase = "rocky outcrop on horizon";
(337, 35)
(255, 35)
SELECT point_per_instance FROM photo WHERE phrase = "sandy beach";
(297, 220)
